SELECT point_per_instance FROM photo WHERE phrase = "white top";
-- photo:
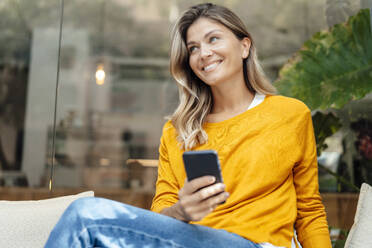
(258, 98)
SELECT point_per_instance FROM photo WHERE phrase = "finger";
(196, 212)
(209, 191)
(214, 201)
(197, 201)
(209, 204)
(198, 183)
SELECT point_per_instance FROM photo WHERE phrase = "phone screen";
(202, 163)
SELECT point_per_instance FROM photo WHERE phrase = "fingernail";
(227, 194)
(212, 179)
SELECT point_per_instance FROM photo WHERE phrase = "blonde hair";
(196, 96)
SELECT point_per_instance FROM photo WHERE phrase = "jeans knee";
(95, 208)
(81, 205)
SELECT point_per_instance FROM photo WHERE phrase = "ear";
(246, 44)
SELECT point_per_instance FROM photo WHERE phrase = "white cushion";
(29, 223)
(361, 232)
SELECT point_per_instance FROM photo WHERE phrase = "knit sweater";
(269, 166)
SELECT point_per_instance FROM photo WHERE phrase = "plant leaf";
(333, 67)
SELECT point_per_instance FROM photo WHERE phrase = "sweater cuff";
(316, 241)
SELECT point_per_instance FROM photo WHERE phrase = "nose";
(205, 51)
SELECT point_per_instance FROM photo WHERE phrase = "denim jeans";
(98, 222)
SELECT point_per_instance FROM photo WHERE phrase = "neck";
(231, 97)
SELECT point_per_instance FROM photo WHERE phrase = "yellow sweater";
(269, 166)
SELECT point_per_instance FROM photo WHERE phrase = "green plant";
(333, 67)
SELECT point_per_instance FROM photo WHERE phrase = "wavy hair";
(195, 96)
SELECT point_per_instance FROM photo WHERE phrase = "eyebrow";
(206, 35)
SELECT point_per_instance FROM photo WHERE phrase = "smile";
(212, 66)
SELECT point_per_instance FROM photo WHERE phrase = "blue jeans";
(98, 222)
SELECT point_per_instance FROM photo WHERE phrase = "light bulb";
(100, 75)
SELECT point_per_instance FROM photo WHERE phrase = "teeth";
(211, 66)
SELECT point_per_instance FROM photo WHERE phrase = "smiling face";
(215, 53)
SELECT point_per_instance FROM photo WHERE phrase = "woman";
(265, 145)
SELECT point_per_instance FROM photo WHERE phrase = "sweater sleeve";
(167, 187)
(311, 223)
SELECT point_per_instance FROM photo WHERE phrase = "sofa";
(27, 224)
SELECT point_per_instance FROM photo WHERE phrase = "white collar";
(258, 98)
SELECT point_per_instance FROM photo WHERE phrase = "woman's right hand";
(198, 198)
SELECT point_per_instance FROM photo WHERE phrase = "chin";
(211, 80)
(210, 83)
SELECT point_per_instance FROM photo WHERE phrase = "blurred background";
(101, 126)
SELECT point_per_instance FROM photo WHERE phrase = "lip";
(211, 66)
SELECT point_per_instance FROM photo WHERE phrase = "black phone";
(202, 163)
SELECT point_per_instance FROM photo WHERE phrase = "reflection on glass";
(118, 106)
(113, 111)
(23, 97)
(100, 75)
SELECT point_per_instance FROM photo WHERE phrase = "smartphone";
(202, 163)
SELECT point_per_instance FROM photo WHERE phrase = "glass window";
(103, 122)
(28, 64)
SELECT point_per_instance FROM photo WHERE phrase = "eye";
(192, 49)
(213, 39)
